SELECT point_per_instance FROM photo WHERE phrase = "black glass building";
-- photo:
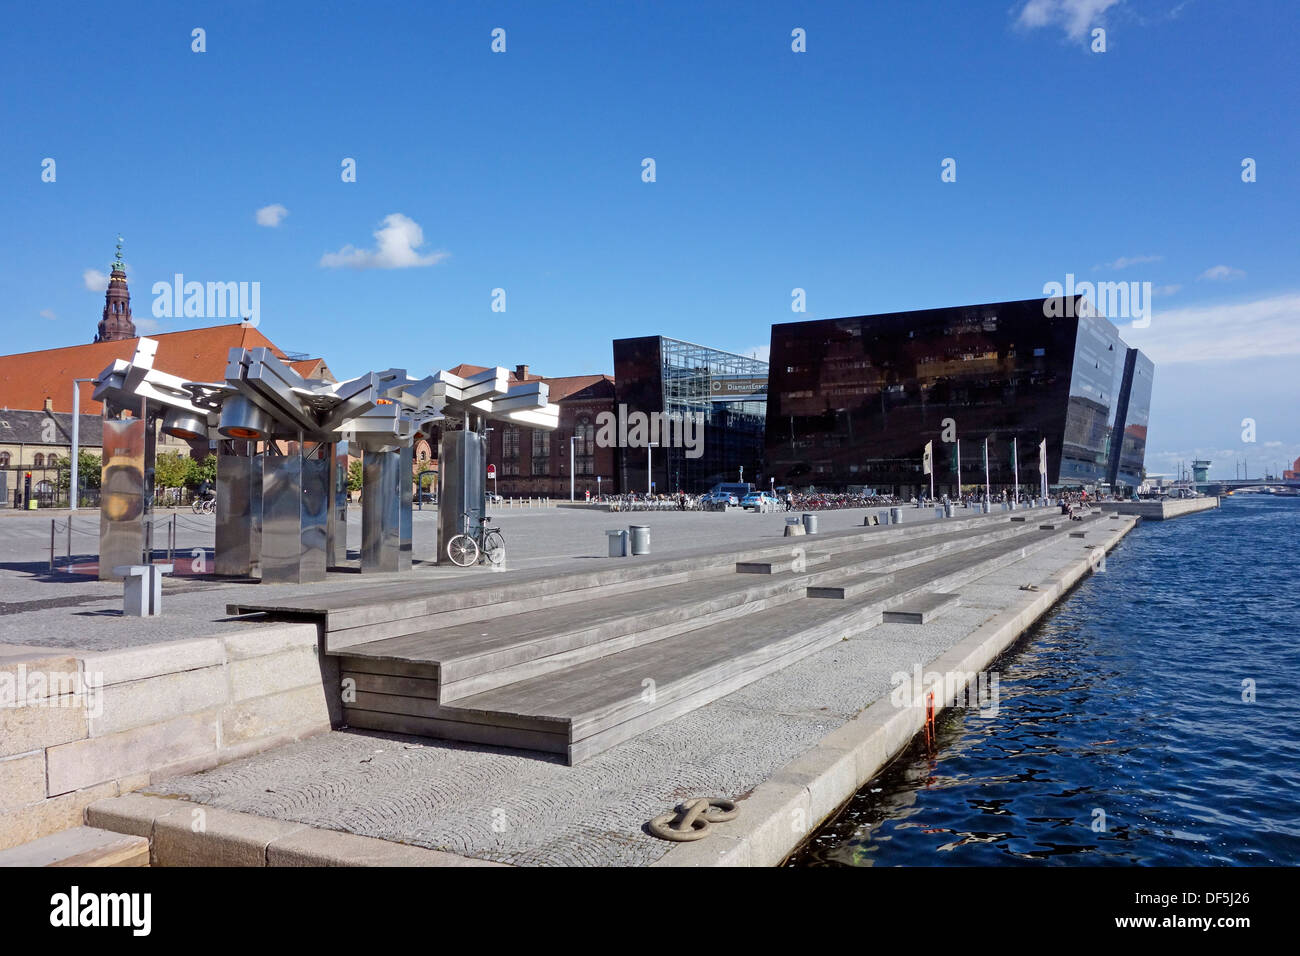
(852, 402)
(725, 392)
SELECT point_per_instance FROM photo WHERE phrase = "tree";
(354, 475)
(173, 470)
(205, 470)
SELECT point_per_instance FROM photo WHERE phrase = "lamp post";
(572, 473)
(73, 476)
(649, 468)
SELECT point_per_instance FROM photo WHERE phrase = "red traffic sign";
(492, 471)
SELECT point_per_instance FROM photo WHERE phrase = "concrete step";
(921, 609)
(858, 585)
(80, 846)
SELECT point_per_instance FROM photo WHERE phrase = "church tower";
(116, 323)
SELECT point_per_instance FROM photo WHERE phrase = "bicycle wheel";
(197, 506)
(463, 550)
(494, 548)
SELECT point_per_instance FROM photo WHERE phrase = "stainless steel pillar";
(121, 496)
(386, 510)
(295, 506)
(239, 512)
(462, 484)
(336, 528)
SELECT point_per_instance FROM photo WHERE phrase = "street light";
(649, 469)
(73, 476)
(572, 473)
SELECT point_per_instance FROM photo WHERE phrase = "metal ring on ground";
(692, 820)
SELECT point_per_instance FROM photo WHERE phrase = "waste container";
(640, 538)
(895, 515)
(617, 543)
(947, 509)
(938, 511)
(810, 523)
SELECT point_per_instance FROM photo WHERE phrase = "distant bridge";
(1241, 484)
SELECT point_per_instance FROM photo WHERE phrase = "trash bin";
(617, 543)
(947, 509)
(895, 515)
(640, 538)
(810, 523)
(938, 512)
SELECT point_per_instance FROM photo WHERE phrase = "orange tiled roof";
(197, 355)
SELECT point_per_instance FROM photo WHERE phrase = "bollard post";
(69, 541)
(51, 545)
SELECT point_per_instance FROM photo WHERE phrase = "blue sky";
(774, 170)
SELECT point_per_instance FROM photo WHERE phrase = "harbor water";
(1151, 718)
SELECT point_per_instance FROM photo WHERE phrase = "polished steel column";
(336, 529)
(121, 497)
(386, 510)
(462, 484)
(295, 506)
(238, 510)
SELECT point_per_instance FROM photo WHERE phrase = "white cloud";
(1263, 328)
(1219, 273)
(1075, 17)
(397, 239)
(271, 215)
(1165, 289)
(761, 352)
(1123, 262)
(95, 280)
(48, 314)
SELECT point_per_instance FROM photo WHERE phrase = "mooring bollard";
(640, 535)
(617, 543)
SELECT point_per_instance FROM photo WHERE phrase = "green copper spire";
(118, 264)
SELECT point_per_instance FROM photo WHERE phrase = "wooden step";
(585, 708)
(472, 657)
(853, 588)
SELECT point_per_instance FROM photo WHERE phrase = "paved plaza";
(75, 610)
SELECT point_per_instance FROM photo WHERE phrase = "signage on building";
(734, 388)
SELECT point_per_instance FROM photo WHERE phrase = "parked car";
(759, 501)
(427, 498)
(493, 497)
(719, 499)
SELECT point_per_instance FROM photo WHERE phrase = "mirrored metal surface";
(295, 492)
(336, 526)
(239, 513)
(462, 485)
(122, 486)
(386, 510)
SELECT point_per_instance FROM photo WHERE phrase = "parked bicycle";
(204, 506)
(486, 543)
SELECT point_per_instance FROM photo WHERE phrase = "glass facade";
(726, 392)
(853, 401)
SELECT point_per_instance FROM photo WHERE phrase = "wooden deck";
(573, 664)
